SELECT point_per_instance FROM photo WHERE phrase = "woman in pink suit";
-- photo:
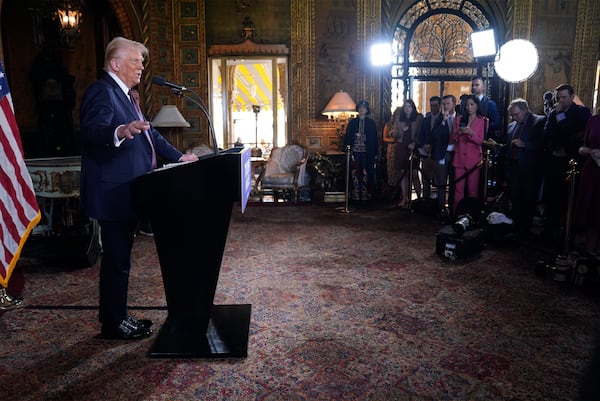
(467, 135)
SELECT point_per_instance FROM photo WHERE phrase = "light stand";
(346, 193)
(256, 110)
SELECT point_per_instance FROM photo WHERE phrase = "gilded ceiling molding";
(585, 55)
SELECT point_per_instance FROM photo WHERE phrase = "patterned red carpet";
(344, 307)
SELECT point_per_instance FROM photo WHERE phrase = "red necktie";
(134, 96)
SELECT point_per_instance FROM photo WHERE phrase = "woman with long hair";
(468, 135)
(393, 174)
(406, 134)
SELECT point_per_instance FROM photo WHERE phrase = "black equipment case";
(456, 247)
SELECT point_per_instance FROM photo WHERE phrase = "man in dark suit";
(118, 145)
(432, 118)
(437, 143)
(488, 107)
(523, 152)
(563, 135)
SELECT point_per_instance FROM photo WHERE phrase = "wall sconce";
(69, 16)
(339, 110)
(56, 22)
(169, 117)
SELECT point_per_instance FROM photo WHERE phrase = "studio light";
(381, 54)
(484, 45)
(517, 60)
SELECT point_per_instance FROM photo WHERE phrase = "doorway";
(432, 54)
(248, 98)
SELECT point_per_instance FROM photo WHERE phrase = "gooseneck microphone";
(163, 82)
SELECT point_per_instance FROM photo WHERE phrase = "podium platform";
(189, 207)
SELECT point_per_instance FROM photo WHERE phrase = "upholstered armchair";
(285, 171)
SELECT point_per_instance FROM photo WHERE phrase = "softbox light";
(484, 45)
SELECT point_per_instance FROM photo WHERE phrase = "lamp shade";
(169, 116)
(340, 102)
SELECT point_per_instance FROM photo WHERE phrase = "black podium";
(189, 207)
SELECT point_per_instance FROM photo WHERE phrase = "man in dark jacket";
(523, 153)
(118, 145)
(437, 143)
(430, 122)
(563, 135)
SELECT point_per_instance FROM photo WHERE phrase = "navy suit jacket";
(107, 171)
(438, 138)
(429, 135)
(490, 110)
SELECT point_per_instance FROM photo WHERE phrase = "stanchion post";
(410, 179)
(570, 204)
(345, 208)
(563, 265)
(486, 167)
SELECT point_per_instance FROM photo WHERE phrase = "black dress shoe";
(126, 330)
(140, 322)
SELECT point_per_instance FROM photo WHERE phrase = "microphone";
(162, 82)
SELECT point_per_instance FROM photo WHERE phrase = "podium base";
(226, 336)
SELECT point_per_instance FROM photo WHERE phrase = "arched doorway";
(432, 53)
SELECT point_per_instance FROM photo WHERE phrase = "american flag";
(19, 211)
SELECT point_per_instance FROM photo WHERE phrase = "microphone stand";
(197, 100)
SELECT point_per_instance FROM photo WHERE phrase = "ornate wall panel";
(178, 53)
(553, 33)
(330, 43)
(587, 38)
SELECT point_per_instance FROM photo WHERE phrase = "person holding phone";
(467, 136)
